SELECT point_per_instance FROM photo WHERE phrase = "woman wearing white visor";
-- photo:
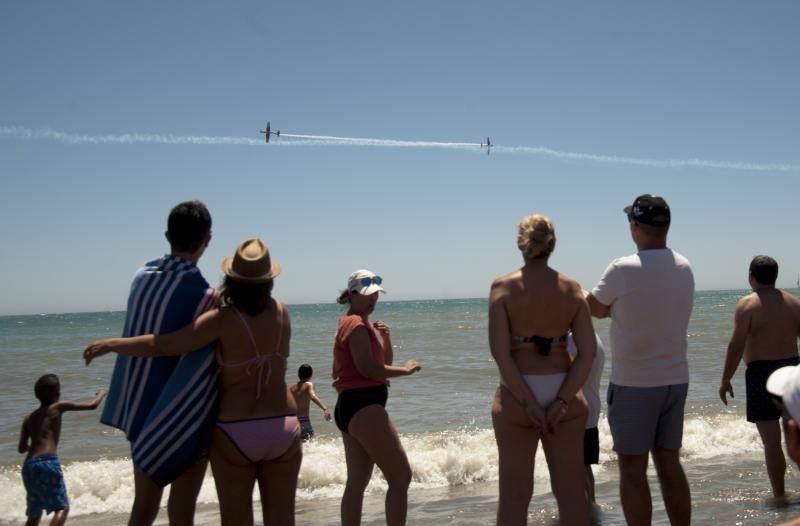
(362, 366)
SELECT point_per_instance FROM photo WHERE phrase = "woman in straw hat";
(531, 311)
(256, 435)
(362, 366)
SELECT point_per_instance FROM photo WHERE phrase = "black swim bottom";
(352, 401)
(759, 402)
(591, 446)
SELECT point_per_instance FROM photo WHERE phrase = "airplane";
(269, 132)
(488, 145)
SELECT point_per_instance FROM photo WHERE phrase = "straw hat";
(251, 263)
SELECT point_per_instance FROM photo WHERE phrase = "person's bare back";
(766, 326)
(302, 397)
(41, 429)
(773, 324)
(43, 426)
(303, 393)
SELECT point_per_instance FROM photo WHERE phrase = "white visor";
(364, 282)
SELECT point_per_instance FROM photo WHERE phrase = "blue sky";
(684, 80)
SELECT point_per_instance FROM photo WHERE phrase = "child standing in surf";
(41, 472)
(304, 394)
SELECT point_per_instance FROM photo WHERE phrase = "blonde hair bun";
(536, 236)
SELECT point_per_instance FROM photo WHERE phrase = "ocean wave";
(439, 459)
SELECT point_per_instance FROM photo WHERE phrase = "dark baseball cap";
(649, 210)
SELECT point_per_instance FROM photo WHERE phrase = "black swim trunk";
(591, 446)
(759, 402)
(352, 401)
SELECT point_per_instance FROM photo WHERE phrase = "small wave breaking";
(440, 459)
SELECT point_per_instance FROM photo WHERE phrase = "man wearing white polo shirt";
(649, 297)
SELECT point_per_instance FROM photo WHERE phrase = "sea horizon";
(383, 300)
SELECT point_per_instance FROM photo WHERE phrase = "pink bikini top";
(259, 360)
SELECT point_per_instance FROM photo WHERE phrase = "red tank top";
(345, 373)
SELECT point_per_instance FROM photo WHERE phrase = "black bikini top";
(542, 344)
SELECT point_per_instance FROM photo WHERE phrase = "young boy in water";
(304, 393)
(41, 472)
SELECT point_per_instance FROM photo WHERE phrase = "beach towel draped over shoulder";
(165, 405)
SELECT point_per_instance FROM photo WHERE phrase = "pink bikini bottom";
(260, 439)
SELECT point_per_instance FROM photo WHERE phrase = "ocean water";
(442, 414)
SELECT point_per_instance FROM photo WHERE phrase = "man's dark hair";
(653, 231)
(47, 388)
(252, 298)
(187, 226)
(764, 269)
(305, 371)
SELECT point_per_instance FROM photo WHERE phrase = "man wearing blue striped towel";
(166, 405)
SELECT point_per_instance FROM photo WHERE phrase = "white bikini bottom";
(544, 386)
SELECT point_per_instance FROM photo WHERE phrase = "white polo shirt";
(651, 295)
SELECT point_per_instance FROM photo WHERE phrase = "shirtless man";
(303, 392)
(765, 332)
(41, 472)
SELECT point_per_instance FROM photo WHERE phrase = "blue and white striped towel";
(166, 405)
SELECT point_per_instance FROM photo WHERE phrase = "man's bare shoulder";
(790, 299)
(749, 302)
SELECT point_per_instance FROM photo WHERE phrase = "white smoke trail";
(389, 143)
(18, 132)
(653, 163)
(541, 151)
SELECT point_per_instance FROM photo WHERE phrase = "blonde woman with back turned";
(531, 311)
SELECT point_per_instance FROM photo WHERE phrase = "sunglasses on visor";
(366, 282)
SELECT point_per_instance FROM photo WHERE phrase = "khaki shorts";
(642, 418)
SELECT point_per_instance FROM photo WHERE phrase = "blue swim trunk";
(44, 484)
(306, 429)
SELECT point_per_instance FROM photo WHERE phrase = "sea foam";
(440, 459)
